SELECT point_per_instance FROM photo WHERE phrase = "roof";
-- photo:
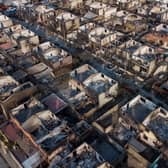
(157, 121)
(54, 103)
(138, 108)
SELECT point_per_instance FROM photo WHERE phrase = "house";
(79, 38)
(135, 111)
(66, 22)
(42, 126)
(102, 10)
(141, 155)
(54, 103)
(72, 4)
(157, 38)
(7, 85)
(128, 4)
(53, 56)
(22, 37)
(102, 37)
(157, 123)
(127, 22)
(22, 150)
(99, 87)
(159, 12)
(83, 156)
(5, 21)
(142, 58)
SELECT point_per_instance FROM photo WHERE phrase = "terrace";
(29, 108)
(54, 56)
(79, 99)
(5, 21)
(145, 55)
(111, 152)
(102, 9)
(157, 122)
(83, 73)
(100, 83)
(130, 46)
(138, 109)
(102, 36)
(40, 124)
(157, 38)
(7, 84)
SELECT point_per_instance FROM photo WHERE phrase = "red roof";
(11, 132)
(54, 103)
(7, 45)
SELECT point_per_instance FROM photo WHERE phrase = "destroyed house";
(24, 111)
(127, 22)
(66, 22)
(71, 4)
(110, 150)
(82, 130)
(128, 4)
(102, 10)
(41, 72)
(164, 87)
(118, 18)
(53, 56)
(159, 12)
(79, 100)
(36, 70)
(22, 37)
(161, 28)
(79, 37)
(137, 110)
(84, 156)
(43, 126)
(134, 24)
(13, 29)
(43, 13)
(113, 127)
(157, 37)
(128, 49)
(7, 86)
(102, 37)
(23, 150)
(97, 86)
(142, 57)
(141, 155)
(26, 62)
(157, 123)
(5, 21)
(105, 165)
